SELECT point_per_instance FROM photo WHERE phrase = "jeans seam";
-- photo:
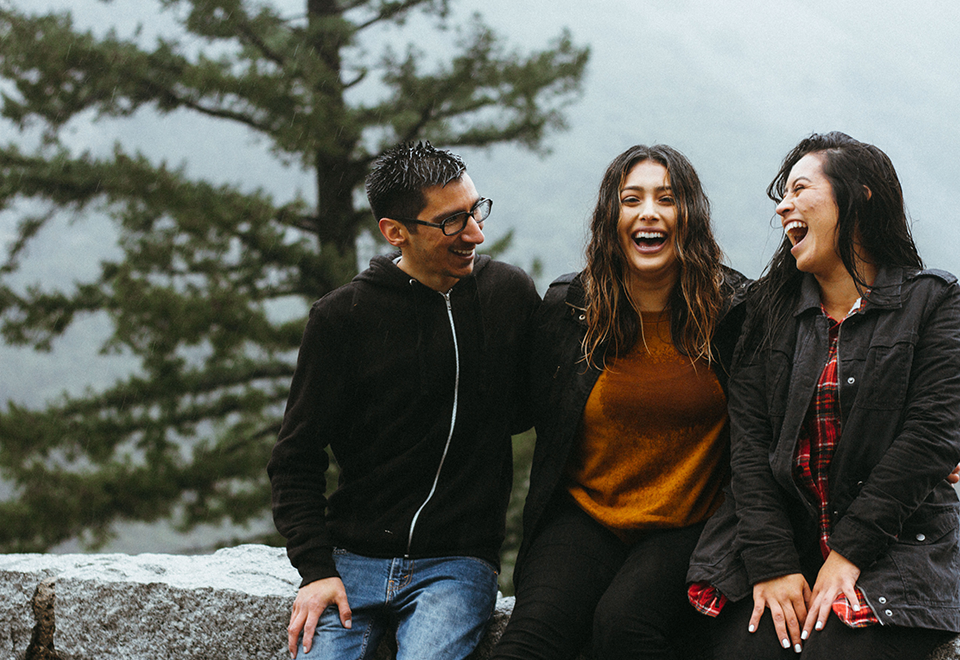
(484, 562)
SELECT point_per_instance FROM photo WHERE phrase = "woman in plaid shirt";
(840, 539)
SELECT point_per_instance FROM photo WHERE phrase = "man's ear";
(394, 231)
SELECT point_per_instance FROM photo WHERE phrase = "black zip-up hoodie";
(419, 424)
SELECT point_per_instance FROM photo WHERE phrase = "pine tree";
(192, 298)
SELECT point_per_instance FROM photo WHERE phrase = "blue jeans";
(439, 607)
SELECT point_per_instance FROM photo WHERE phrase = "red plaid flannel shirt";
(817, 442)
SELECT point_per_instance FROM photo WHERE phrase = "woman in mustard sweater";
(628, 374)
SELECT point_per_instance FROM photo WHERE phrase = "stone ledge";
(233, 603)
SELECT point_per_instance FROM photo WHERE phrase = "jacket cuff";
(857, 543)
(773, 560)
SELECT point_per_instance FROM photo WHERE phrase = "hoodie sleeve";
(529, 303)
(314, 415)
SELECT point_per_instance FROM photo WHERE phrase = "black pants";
(835, 641)
(580, 583)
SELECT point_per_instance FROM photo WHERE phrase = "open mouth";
(795, 231)
(646, 239)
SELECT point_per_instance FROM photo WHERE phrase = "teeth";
(649, 234)
(794, 224)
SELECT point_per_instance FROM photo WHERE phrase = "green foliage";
(203, 269)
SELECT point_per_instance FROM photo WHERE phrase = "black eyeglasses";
(457, 222)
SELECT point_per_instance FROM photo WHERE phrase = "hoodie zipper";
(453, 422)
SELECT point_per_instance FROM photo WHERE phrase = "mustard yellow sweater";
(653, 439)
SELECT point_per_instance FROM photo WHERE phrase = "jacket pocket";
(927, 556)
(883, 376)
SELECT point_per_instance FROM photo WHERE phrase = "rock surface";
(233, 603)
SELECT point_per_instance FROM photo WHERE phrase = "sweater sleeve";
(299, 462)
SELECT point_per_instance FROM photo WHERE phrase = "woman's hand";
(954, 476)
(837, 575)
(787, 599)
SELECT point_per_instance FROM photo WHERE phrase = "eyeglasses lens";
(457, 223)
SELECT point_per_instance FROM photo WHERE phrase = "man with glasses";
(412, 374)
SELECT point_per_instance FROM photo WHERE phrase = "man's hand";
(837, 575)
(312, 600)
(787, 599)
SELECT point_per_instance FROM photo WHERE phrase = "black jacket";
(378, 381)
(561, 383)
(894, 515)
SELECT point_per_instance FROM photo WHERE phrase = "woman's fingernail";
(819, 625)
(796, 647)
(751, 627)
(804, 635)
(786, 643)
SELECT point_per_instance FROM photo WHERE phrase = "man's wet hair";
(399, 176)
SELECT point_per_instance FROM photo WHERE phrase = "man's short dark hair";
(399, 176)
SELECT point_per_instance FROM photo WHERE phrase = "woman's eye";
(632, 199)
(667, 200)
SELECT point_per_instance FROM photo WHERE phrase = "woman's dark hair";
(871, 224)
(613, 321)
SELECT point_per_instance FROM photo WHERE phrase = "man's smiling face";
(436, 260)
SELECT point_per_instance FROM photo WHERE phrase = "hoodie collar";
(383, 271)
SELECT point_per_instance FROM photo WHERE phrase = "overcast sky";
(734, 85)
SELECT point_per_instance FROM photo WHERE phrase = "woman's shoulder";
(911, 289)
(566, 290)
(736, 286)
(934, 274)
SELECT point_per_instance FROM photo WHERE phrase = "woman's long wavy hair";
(871, 224)
(613, 320)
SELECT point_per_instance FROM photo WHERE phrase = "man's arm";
(298, 465)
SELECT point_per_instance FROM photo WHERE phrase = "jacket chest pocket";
(879, 378)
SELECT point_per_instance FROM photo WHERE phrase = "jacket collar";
(884, 294)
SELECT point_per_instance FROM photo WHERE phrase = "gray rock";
(948, 651)
(233, 603)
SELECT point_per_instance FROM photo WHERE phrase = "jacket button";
(583, 316)
(888, 612)
(882, 599)
(921, 537)
(851, 380)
